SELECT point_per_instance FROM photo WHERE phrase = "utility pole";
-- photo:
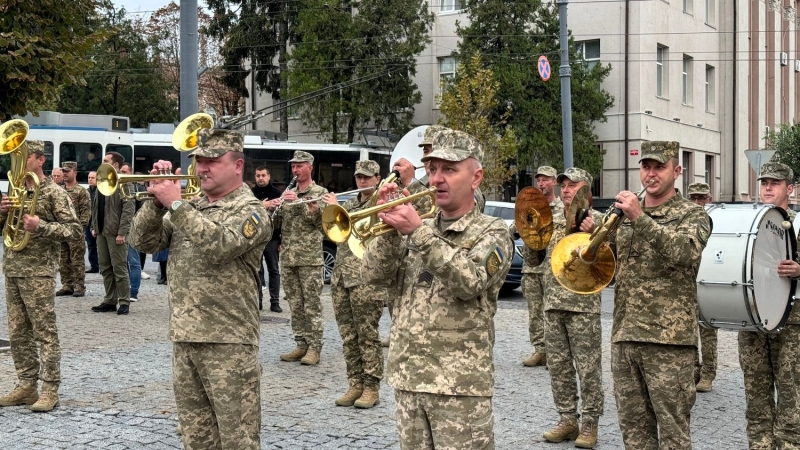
(188, 67)
(565, 73)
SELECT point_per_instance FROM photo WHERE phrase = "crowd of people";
(439, 276)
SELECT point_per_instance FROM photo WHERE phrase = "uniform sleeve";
(680, 246)
(382, 259)
(66, 227)
(126, 216)
(84, 207)
(465, 274)
(232, 238)
(149, 232)
(315, 218)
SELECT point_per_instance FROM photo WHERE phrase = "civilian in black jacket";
(265, 191)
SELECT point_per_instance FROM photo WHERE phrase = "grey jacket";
(118, 215)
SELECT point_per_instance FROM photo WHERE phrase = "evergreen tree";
(511, 36)
(785, 140)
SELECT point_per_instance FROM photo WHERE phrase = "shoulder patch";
(703, 232)
(494, 261)
(250, 226)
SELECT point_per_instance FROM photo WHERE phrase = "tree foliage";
(336, 43)
(124, 81)
(468, 105)
(43, 48)
(510, 37)
(785, 140)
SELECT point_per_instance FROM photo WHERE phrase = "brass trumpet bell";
(533, 218)
(184, 138)
(12, 135)
(580, 270)
(23, 186)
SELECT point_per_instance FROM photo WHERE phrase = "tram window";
(87, 155)
(125, 150)
(5, 162)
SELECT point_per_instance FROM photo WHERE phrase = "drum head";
(772, 293)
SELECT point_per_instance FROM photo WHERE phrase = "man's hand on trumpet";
(406, 170)
(165, 191)
(404, 217)
(628, 202)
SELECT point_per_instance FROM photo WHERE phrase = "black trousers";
(272, 258)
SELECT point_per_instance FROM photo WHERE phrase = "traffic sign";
(634, 152)
(544, 68)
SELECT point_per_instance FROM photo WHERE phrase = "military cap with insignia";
(454, 145)
(213, 143)
(368, 168)
(661, 151)
(576, 174)
(699, 189)
(69, 165)
(777, 171)
(301, 156)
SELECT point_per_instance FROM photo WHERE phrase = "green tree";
(124, 81)
(785, 140)
(43, 48)
(511, 36)
(467, 105)
(336, 43)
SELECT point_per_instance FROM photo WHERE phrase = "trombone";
(23, 199)
(184, 139)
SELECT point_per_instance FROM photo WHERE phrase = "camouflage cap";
(453, 145)
(301, 156)
(35, 146)
(546, 171)
(429, 132)
(576, 174)
(69, 165)
(661, 151)
(213, 143)
(368, 168)
(777, 171)
(699, 189)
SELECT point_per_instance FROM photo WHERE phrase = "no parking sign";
(544, 68)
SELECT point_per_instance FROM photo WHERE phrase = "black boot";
(274, 306)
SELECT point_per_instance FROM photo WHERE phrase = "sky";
(133, 6)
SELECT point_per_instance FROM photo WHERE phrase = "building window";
(451, 5)
(687, 6)
(711, 12)
(447, 72)
(688, 173)
(710, 172)
(662, 55)
(710, 89)
(590, 52)
(687, 80)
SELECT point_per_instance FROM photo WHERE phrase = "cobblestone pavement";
(116, 391)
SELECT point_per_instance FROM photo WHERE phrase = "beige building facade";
(711, 74)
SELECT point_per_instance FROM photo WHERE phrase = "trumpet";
(290, 186)
(338, 224)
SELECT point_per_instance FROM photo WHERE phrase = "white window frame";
(686, 79)
(450, 6)
(446, 76)
(711, 12)
(688, 7)
(590, 61)
(711, 88)
(662, 71)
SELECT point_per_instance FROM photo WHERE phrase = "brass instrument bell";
(23, 201)
(533, 218)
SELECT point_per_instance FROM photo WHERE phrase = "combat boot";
(565, 429)
(295, 355)
(352, 394)
(369, 398)
(588, 436)
(64, 291)
(25, 393)
(311, 358)
(49, 398)
(536, 359)
(704, 385)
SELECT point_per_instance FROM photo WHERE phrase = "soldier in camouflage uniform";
(449, 269)
(72, 267)
(572, 335)
(301, 260)
(358, 305)
(770, 362)
(700, 194)
(533, 270)
(215, 243)
(654, 334)
(30, 276)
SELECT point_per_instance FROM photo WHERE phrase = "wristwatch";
(175, 205)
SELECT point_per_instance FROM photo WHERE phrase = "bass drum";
(738, 287)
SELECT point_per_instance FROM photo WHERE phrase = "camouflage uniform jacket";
(301, 234)
(214, 257)
(658, 257)
(348, 266)
(556, 297)
(81, 202)
(443, 323)
(57, 223)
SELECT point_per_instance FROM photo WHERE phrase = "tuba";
(23, 201)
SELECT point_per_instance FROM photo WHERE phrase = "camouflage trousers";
(303, 286)
(770, 363)
(708, 351)
(358, 310)
(573, 344)
(72, 266)
(33, 335)
(443, 422)
(533, 290)
(654, 391)
(218, 395)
